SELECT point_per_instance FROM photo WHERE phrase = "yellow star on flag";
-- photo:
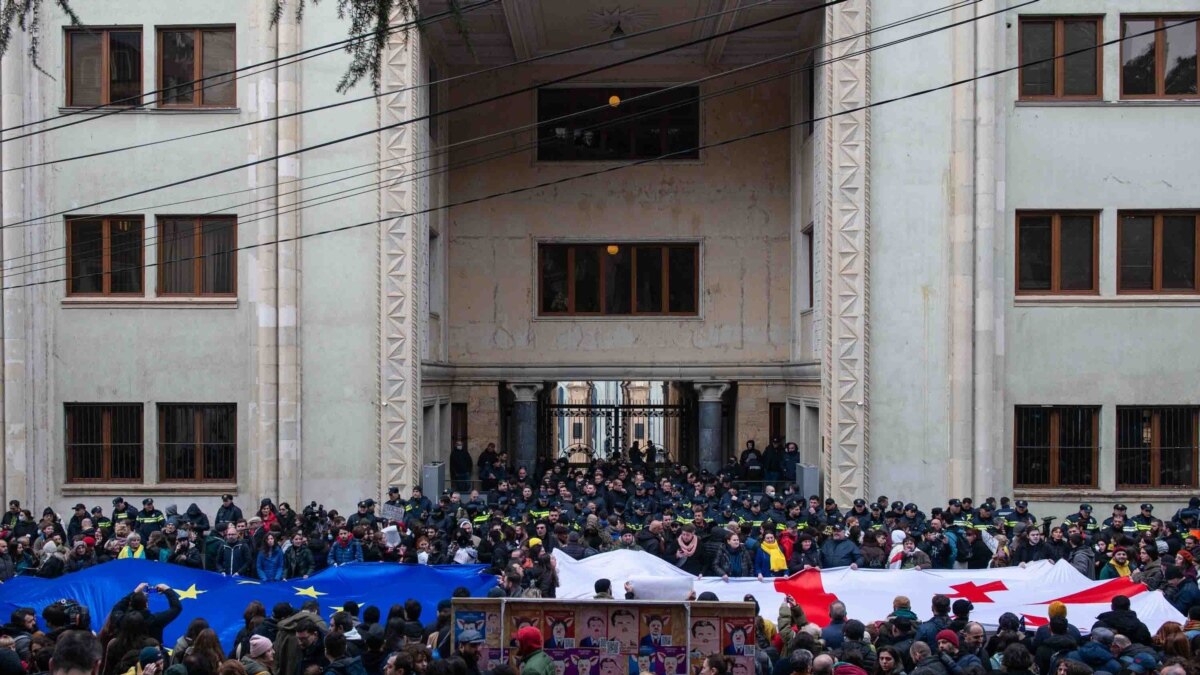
(336, 609)
(189, 594)
(310, 592)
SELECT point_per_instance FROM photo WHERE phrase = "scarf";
(735, 561)
(1122, 570)
(778, 562)
(688, 550)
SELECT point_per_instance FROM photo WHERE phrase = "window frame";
(105, 81)
(543, 247)
(198, 86)
(105, 257)
(809, 239)
(197, 410)
(627, 91)
(1156, 274)
(1159, 61)
(107, 443)
(1055, 482)
(1155, 448)
(1056, 251)
(1059, 63)
(198, 257)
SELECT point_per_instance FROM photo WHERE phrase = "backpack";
(962, 551)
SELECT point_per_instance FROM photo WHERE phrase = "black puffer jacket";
(711, 551)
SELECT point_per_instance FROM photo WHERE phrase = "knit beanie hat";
(1057, 609)
(949, 636)
(259, 646)
(529, 639)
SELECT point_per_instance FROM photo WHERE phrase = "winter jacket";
(288, 652)
(1097, 656)
(1125, 622)
(1151, 575)
(156, 621)
(1083, 559)
(865, 650)
(270, 565)
(650, 543)
(226, 515)
(196, 517)
(928, 630)
(8, 569)
(254, 667)
(351, 665)
(297, 562)
(801, 558)
(340, 554)
(840, 554)
(234, 560)
(1051, 646)
(537, 663)
(1185, 596)
(930, 665)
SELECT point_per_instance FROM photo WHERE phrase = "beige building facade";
(531, 238)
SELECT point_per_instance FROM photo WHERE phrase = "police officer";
(1144, 519)
(101, 523)
(1127, 526)
(859, 510)
(956, 518)
(123, 511)
(1005, 512)
(1019, 515)
(1083, 520)
(984, 518)
(149, 519)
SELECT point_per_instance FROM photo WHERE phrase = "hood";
(172, 510)
(898, 537)
(1094, 654)
(848, 669)
(193, 510)
(288, 625)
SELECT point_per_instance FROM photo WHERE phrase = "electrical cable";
(109, 109)
(368, 97)
(612, 169)
(401, 123)
(370, 187)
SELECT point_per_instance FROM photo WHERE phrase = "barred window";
(103, 442)
(1156, 446)
(197, 442)
(1056, 446)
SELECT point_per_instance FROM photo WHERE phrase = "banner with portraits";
(614, 637)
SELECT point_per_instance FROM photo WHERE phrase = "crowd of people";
(704, 523)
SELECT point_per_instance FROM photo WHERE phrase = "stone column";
(843, 223)
(288, 269)
(525, 411)
(13, 471)
(712, 434)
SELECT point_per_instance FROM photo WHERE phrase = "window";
(594, 129)
(812, 272)
(1156, 447)
(1156, 253)
(1070, 77)
(104, 67)
(188, 58)
(197, 442)
(618, 279)
(1057, 253)
(104, 255)
(1161, 64)
(197, 255)
(104, 442)
(810, 95)
(1056, 446)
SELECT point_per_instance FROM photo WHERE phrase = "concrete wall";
(734, 201)
(909, 283)
(1110, 155)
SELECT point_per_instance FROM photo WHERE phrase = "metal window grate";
(103, 442)
(197, 442)
(1157, 446)
(1055, 446)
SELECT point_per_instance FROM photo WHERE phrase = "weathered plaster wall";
(734, 201)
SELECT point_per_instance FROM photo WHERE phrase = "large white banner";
(1026, 592)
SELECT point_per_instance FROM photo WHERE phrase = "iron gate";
(618, 419)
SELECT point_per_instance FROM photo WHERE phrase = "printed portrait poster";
(575, 661)
(559, 629)
(743, 665)
(623, 629)
(671, 661)
(706, 636)
(469, 619)
(519, 619)
(491, 657)
(591, 626)
(611, 664)
(656, 629)
(492, 632)
(642, 662)
(737, 637)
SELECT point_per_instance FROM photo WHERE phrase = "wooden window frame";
(1055, 425)
(633, 248)
(1159, 61)
(105, 257)
(107, 442)
(1059, 63)
(808, 236)
(1156, 448)
(198, 86)
(198, 258)
(1156, 288)
(105, 79)
(197, 410)
(1056, 253)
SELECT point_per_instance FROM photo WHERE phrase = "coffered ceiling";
(509, 30)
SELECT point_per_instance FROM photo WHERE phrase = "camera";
(77, 614)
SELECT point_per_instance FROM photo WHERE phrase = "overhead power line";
(136, 101)
(621, 167)
(370, 187)
(459, 108)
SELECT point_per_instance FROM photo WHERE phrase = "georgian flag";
(1026, 592)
